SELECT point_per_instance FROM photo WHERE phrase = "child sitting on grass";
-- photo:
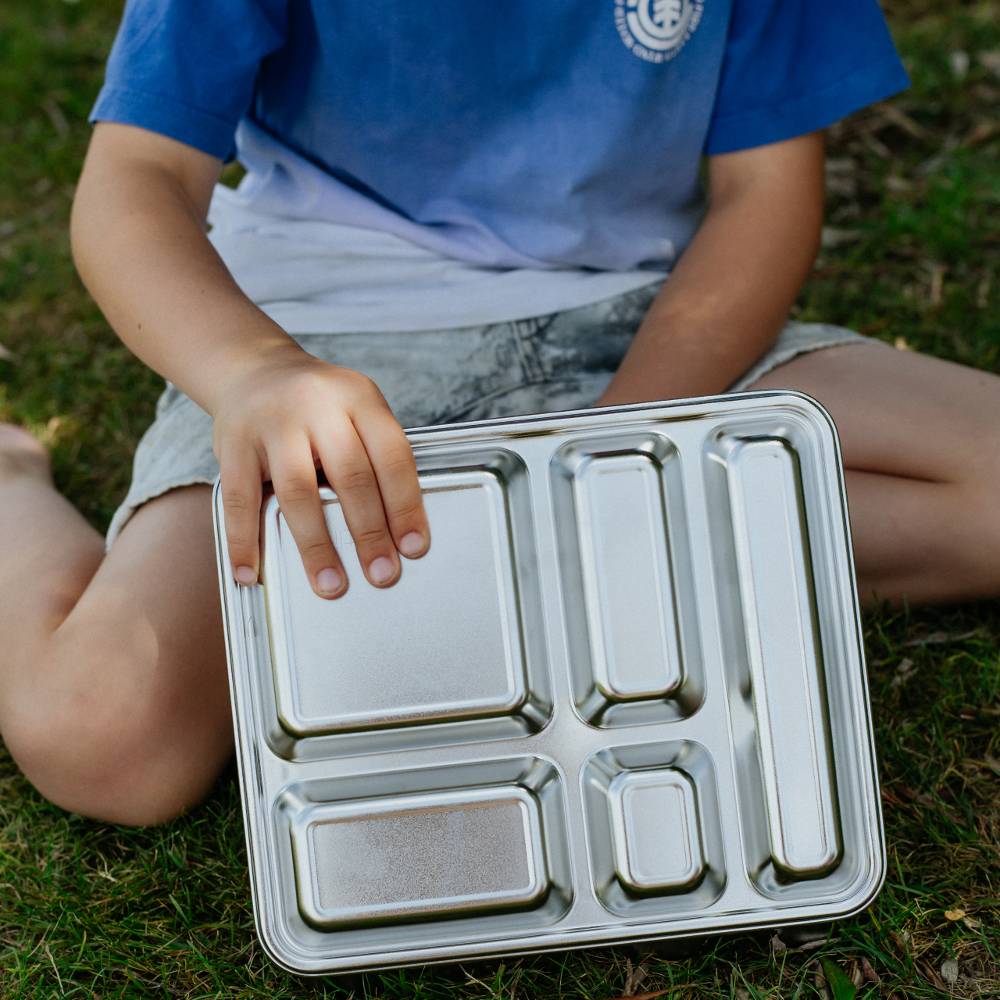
(451, 210)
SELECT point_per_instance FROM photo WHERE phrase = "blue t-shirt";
(563, 133)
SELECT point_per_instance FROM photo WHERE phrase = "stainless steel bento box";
(622, 698)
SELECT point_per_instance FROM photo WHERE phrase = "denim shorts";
(562, 361)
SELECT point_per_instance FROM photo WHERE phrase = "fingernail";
(329, 581)
(381, 570)
(411, 544)
(245, 575)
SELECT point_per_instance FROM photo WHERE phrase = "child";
(451, 210)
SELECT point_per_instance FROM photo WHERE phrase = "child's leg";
(113, 694)
(921, 443)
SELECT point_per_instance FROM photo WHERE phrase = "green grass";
(88, 910)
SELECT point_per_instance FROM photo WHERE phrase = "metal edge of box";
(864, 700)
(243, 743)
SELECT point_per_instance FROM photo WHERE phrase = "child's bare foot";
(22, 454)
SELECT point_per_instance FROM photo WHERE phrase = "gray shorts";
(561, 361)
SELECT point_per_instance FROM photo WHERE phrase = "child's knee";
(113, 778)
(96, 744)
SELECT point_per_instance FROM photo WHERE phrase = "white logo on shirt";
(656, 30)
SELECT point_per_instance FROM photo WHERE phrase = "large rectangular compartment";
(622, 698)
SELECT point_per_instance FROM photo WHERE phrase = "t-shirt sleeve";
(795, 66)
(186, 69)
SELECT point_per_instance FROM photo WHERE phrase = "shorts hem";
(781, 355)
(132, 503)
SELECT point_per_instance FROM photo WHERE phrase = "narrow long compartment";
(775, 660)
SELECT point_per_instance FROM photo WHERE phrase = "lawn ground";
(911, 256)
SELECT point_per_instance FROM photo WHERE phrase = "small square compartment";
(643, 805)
(654, 830)
(626, 570)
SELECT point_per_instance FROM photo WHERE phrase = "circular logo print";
(656, 30)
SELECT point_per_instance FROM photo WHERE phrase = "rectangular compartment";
(447, 646)
(424, 856)
(626, 577)
(376, 861)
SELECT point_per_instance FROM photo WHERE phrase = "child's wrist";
(239, 362)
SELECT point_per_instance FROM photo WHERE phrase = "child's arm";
(729, 295)
(139, 241)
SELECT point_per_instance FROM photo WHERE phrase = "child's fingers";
(293, 475)
(241, 494)
(391, 455)
(349, 469)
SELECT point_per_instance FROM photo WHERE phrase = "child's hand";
(276, 422)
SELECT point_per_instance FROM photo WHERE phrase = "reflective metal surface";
(419, 873)
(622, 697)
